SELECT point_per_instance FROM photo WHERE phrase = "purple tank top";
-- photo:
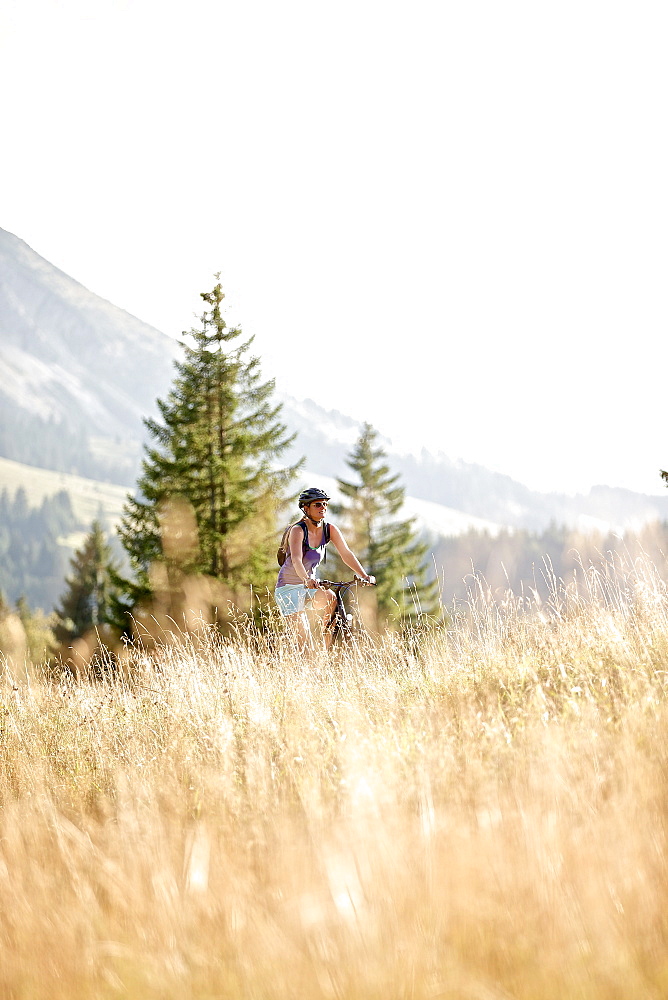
(310, 558)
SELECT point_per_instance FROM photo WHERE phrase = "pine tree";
(210, 489)
(389, 548)
(87, 601)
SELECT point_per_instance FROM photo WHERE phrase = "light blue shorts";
(292, 598)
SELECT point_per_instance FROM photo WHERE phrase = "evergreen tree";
(389, 548)
(210, 491)
(87, 602)
(20, 506)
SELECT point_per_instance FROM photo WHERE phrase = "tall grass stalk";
(477, 812)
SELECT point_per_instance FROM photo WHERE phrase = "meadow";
(477, 811)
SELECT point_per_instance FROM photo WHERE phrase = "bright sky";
(447, 218)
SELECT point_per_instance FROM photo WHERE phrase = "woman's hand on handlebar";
(368, 580)
(312, 584)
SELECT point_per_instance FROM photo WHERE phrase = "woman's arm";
(347, 555)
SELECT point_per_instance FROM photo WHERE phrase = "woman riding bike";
(297, 587)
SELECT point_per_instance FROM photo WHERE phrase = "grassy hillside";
(477, 813)
(89, 496)
(45, 518)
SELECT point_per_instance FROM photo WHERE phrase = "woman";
(297, 586)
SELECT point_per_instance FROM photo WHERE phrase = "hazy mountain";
(77, 374)
(482, 495)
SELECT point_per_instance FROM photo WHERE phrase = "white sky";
(447, 218)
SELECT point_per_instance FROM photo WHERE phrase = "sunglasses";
(318, 503)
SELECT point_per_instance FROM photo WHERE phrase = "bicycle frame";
(340, 623)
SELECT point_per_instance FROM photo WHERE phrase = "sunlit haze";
(445, 218)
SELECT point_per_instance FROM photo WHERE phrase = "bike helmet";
(311, 494)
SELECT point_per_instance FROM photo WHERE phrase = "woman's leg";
(324, 605)
(298, 629)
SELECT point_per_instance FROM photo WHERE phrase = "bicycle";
(341, 623)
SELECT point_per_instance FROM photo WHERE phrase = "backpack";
(282, 553)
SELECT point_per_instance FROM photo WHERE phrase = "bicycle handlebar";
(339, 584)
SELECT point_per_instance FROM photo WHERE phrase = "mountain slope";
(472, 490)
(77, 374)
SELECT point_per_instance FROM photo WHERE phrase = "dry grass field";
(475, 814)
